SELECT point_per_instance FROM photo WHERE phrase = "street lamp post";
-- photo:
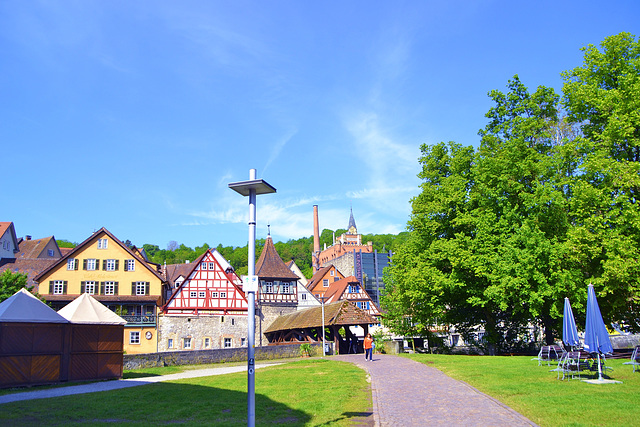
(323, 344)
(251, 188)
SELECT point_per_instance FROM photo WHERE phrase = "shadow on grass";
(358, 418)
(150, 404)
(130, 375)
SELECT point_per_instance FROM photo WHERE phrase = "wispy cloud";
(276, 149)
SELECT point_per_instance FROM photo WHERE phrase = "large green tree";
(602, 96)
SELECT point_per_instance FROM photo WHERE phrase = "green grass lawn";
(536, 393)
(310, 392)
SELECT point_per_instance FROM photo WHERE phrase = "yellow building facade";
(118, 277)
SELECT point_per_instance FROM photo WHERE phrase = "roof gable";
(88, 242)
(270, 265)
(8, 231)
(217, 274)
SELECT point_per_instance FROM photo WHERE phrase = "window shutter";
(64, 287)
(125, 266)
(84, 264)
(104, 264)
(50, 287)
(82, 287)
(146, 288)
(101, 288)
(133, 288)
(75, 264)
(117, 262)
(115, 288)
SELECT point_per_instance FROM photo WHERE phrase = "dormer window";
(50, 252)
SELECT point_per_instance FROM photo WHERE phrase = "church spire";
(352, 224)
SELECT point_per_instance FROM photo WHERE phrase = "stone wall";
(216, 332)
(198, 357)
(343, 263)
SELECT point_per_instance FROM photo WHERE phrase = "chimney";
(316, 240)
(27, 237)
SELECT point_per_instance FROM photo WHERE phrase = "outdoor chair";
(572, 365)
(635, 359)
(549, 354)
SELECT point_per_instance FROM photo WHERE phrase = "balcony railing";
(147, 319)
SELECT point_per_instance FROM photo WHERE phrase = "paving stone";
(409, 393)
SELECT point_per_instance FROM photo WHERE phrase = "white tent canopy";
(86, 309)
(26, 308)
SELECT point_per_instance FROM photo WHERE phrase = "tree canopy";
(499, 235)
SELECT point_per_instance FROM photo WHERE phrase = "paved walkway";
(408, 393)
(405, 393)
(116, 385)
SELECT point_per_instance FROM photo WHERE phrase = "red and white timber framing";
(212, 288)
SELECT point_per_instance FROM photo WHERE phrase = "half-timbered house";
(207, 309)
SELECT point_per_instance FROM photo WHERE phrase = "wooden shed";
(306, 325)
(39, 346)
(34, 342)
(96, 344)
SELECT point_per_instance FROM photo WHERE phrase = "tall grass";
(537, 394)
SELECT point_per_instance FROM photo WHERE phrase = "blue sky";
(135, 116)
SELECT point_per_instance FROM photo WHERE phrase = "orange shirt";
(367, 343)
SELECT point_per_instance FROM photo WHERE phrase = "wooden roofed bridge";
(305, 326)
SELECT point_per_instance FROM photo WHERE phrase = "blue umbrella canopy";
(569, 329)
(596, 336)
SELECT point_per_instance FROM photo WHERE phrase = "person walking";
(368, 347)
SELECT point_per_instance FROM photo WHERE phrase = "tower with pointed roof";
(278, 287)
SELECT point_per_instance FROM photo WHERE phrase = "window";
(303, 297)
(72, 264)
(243, 342)
(141, 288)
(325, 283)
(90, 264)
(186, 343)
(102, 243)
(227, 343)
(193, 294)
(285, 288)
(170, 343)
(50, 252)
(130, 265)
(214, 295)
(268, 288)
(58, 287)
(354, 289)
(223, 294)
(201, 294)
(333, 272)
(203, 266)
(212, 266)
(89, 287)
(134, 337)
(110, 264)
(207, 342)
(110, 288)
(179, 282)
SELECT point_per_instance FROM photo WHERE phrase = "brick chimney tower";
(316, 240)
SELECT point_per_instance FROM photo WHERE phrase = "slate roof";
(173, 271)
(271, 266)
(341, 313)
(352, 221)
